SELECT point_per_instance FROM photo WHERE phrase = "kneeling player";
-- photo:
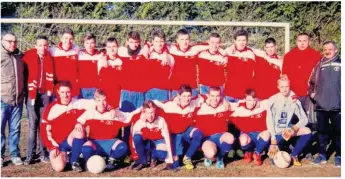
(280, 114)
(102, 131)
(250, 118)
(151, 128)
(212, 119)
(60, 131)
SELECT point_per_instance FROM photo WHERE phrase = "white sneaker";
(17, 161)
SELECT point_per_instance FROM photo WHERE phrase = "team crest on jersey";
(220, 115)
(336, 68)
(93, 61)
(244, 59)
(155, 129)
(71, 111)
(189, 115)
(188, 57)
(108, 122)
(119, 68)
(258, 115)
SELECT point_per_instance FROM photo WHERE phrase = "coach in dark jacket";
(325, 92)
(12, 95)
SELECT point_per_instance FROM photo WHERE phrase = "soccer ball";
(95, 164)
(282, 159)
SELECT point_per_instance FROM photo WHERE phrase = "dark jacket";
(325, 82)
(13, 83)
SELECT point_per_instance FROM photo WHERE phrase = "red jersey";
(158, 74)
(134, 72)
(298, 66)
(88, 70)
(211, 68)
(184, 71)
(58, 121)
(180, 118)
(266, 77)
(212, 120)
(66, 65)
(110, 81)
(243, 119)
(240, 73)
(41, 76)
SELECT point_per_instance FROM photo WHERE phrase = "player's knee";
(244, 139)
(228, 138)
(265, 135)
(58, 165)
(160, 154)
(137, 138)
(197, 135)
(209, 149)
(120, 150)
(304, 131)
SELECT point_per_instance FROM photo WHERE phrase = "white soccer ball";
(96, 164)
(282, 159)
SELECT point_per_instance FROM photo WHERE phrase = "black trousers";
(329, 122)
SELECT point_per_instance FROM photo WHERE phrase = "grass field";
(233, 169)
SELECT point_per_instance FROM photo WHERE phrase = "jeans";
(12, 115)
(34, 114)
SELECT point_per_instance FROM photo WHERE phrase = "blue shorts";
(174, 93)
(64, 146)
(131, 100)
(157, 94)
(87, 93)
(177, 141)
(204, 89)
(215, 138)
(232, 99)
(281, 141)
(103, 147)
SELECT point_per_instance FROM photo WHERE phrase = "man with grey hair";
(12, 95)
(324, 90)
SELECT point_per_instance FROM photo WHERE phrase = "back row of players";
(128, 78)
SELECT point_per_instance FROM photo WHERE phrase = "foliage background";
(320, 19)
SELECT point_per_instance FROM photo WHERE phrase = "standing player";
(160, 66)
(281, 114)
(185, 57)
(65, 59)
(325, 92)
(250, 118)
(298, 65)
(110, 75)
(180, 116)
(61, 132)
(102, 131)
(211, 63)
(87, 67)
(268, 70)
(152, 128)
(40, 87)
(240, 68)
(212, 120)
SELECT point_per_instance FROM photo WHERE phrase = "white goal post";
(286, 26)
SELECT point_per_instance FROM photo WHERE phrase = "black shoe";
(76, 167)
(112, 164)
(140, 167)
(28, 160)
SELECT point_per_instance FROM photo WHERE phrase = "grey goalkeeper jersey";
(280, 112)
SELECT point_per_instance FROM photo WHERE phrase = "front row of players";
(160, 130)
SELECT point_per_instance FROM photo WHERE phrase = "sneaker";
(309, 157)
(171, 167)
(28, 160)
(257, 159)
(321, 159)
(76, 167)
(231, 153)
(44, 159)
(220, 164)
(295, 161)
(17, 161)
(248, 157)
(135, 164)
(207, 162)
(188, 163)
(111, 165)
(337, 161)
(240, 153)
